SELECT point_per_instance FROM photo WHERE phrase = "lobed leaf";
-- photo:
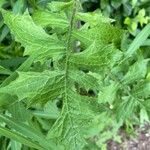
(136, 72)
(77, 114)
(47, 18)
(36, 41)
(26, 86)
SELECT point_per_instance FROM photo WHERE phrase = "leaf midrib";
(68, 52)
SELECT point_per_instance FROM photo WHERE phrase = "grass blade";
(15, 136)
(138, 41)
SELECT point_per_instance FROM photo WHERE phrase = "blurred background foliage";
(130, 14)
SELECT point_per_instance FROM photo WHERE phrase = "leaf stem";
(68, 52)
(68, 47)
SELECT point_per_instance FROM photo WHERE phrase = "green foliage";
(78, 84)
(133, 13)
(133, 23)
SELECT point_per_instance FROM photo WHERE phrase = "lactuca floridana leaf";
(4, 71)
(108, 93)
(47, 18)
(36, 41)
(77, 115)
(126, 108)
(142, 89)
(136, 72)
(93, 18)
(36, 87)
(59, 6)
(97, 56)
(144, 117)
(50, 111)
(102, 34)
(85, 80)
(6, 100)
(78, 111)
(22, 114)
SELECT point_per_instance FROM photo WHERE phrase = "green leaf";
(2, 3)
(4, 33)
(142, 89)
(18, 111)
(46, 18)
(138, 41)
(58, 6)
(144, 118)
(108, 93)
(126, 108)
(4, 71)
(85, 80)
(136, 72)
(27, 131)
(6, 100)
(19, 6)
(93, 18)
(75, 119)
(16, 136)
(26, 86)
(36, 41)
(71, 72)
(97, 56)
(146, 42)
(99, 34)
(15, 145)
(50, 111)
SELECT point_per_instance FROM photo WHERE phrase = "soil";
(140, 142)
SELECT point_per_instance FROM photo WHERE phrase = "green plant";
(139, 19)
(80, 83)
(132, 13)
